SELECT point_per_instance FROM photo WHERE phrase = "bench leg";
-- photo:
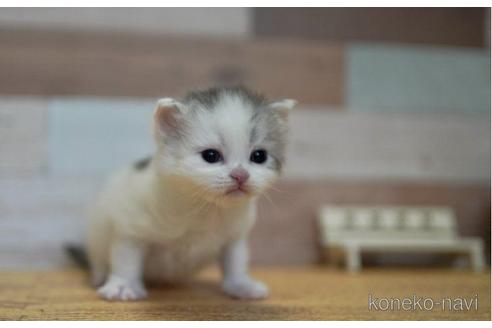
(477, 258)
(353, 259)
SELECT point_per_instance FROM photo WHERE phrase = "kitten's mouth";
(238, 190)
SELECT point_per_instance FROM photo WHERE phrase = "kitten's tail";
(78, 254)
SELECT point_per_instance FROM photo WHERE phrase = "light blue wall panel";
(409, 78)
(93, 136)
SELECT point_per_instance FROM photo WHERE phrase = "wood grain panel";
(324, 143)
(418, 79)
(446, 26)
(23, 136)
(48, 62)
(49, 210)
(232, 21)
(387, 145)
(46, 213)
(286, 233)
(38, 216)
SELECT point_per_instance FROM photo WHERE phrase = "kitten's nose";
(239, 174)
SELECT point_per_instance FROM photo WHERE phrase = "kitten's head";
(223, 143)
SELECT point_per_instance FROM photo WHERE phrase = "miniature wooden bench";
(346, 231)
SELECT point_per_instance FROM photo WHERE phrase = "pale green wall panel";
(93, 136)
(410, 78)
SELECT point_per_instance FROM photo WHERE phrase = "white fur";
(173, 218)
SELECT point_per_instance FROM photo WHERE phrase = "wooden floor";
(297, 294)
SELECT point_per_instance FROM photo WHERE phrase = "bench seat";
(347, 231)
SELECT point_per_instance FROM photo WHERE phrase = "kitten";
(194, 201)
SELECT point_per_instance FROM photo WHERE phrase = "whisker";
(275, 189)
(269, 200)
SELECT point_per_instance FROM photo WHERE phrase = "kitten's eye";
(258, 156)
(211, 155)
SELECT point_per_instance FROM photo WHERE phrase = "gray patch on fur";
(268, 128)
(271, 130)
(253, 136)
(209, 98)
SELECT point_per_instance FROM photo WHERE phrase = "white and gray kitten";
(194, 201)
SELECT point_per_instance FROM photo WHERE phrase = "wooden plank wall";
(345, 149)
(52, 62)
(343, 157)
(286, 230)
(441, 26)
(23, 132)
(198, 21)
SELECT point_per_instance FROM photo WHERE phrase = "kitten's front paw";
(117, 289)
(245, 289)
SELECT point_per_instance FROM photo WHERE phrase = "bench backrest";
(341, 223)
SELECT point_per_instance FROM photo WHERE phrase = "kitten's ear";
(283, 107)
(168, 117)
